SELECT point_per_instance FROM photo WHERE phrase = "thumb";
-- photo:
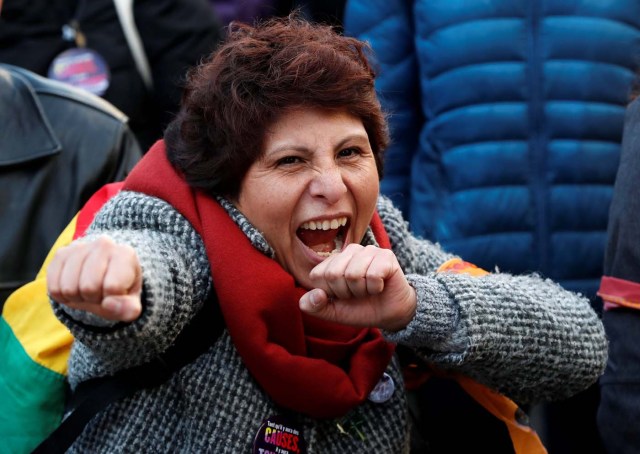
(315, 302)
(125, 308)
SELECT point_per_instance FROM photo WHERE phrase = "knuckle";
(124, 252)
(89, 288)
(64, 252)
(354, 247)
(68, 291)
(333, 274)
(103, 244)
(130, 253)
(112, 285)
(55, 294)
(353, 276)
(103, 241)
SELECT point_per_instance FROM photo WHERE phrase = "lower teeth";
(327, 254)
(338, 246)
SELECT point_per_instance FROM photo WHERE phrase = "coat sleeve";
(387, 25)
(176, 282)
(523, 336)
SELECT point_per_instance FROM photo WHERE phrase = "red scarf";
(305, 364)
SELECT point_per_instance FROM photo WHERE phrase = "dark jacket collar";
(25, 132)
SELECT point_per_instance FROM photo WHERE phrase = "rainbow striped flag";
(34, 349)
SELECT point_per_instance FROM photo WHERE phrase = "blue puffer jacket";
(506, 121)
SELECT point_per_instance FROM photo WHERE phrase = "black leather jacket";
(58, 145)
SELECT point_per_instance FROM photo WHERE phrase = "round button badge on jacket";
(83, 68)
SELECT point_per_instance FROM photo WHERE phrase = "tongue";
(319, 240)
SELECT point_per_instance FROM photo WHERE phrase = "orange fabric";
(459, 266)
(525, 439)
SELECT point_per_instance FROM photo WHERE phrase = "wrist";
(407, 311)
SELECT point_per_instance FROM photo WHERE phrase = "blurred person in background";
(83, 42)
(243, 10)
(506, 122)
(58, 145)
(328, 12)
(619, 410)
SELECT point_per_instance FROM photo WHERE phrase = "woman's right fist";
(101, 277)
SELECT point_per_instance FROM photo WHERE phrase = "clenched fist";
(100, 277)
(361, 286)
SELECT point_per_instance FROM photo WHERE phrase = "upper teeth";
(325, 225)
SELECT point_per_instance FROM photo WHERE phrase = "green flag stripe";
(31, 396)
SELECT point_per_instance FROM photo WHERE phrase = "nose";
(328, 183)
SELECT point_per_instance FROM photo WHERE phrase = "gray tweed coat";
(521, 335)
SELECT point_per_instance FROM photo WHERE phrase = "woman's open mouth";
(324, 237)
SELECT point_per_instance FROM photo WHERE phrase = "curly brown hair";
(255, 75)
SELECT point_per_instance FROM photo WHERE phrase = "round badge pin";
(279, 435)
(383, 390)
(83, 68)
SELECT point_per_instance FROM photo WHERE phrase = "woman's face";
(314, 190)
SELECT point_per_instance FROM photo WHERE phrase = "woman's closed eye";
(288, 160)
(349, 152)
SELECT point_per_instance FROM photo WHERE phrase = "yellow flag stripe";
(49, 345)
